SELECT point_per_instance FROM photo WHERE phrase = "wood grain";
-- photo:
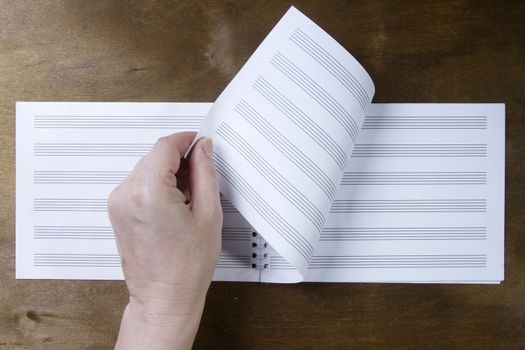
(441, 51)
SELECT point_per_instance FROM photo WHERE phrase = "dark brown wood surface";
(416, 51)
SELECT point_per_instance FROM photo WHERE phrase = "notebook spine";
(259, 252)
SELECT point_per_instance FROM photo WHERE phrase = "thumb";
(204, 187)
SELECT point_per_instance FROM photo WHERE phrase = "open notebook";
(313, 190)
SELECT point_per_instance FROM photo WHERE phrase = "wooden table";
(441, 51)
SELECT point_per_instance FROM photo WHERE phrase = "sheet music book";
(312, 189)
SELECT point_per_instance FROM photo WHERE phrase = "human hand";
(167, 220)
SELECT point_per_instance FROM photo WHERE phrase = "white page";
(61, 235)
(422, 200)
(284, 129)
(69, 158)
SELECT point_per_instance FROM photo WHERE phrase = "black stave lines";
(317, 93)
(93, 205)
(73, 232)
(117, 122)
(77, 260)
(271, 175)
(237, 234)
(287, 148)
(234, 262)
(279, 263)
(399, 261)
(415, 178)
(113, 260)
(332, 65)
(228, 207)
(302, 121)
(265, 210)
(431, 122)
(349, 234)
(88, 177)
(325, 142)
(91, 149)
(409, 206)
(420, 150)
(70, 204)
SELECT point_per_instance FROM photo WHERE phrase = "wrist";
(151, 326)
(162, 303)
(160, 316)
(164, 312)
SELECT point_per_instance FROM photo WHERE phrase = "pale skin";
(167, 219)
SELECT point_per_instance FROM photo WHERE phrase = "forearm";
(146, 328)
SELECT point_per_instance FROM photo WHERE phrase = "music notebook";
(318, 184)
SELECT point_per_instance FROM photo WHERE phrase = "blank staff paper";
(420, 200)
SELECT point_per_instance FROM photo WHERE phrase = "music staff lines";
(73, 232)
(234, 262)
(228, 207)
(70, 204)
(332, 65)
(271, 175)
(108, 177)
(95, 177)
(420, 150)
(76, 260)
(360, 150)
(347, 234)
(92, 204)
(113, 260)
(265, 210)
(415, 178)
(117, 122)
(301, 120)
(92, 149)
(371, 122)
(317, 93)
(432, 122)
(287, 148)
(235, 234)
(338, 206)
(409, 206)
(399, 261)
(277, 262)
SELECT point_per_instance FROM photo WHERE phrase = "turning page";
(421, 200)
(283, 132)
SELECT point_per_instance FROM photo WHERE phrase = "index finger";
(168, 150)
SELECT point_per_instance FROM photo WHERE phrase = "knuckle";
(220, 216)
(168, 177)
(114, 201)
(209, 214)
(210, 176)
(130, 194)
(162, 139)
(137, 193)
(215, 214)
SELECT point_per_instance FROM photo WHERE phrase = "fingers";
(203, 181)
(167, 152)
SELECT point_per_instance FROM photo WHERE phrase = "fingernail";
(207, 146)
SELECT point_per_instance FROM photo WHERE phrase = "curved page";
(284, 130)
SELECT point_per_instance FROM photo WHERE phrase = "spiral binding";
(259, 252)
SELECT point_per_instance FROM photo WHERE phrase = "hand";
(167, 220)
